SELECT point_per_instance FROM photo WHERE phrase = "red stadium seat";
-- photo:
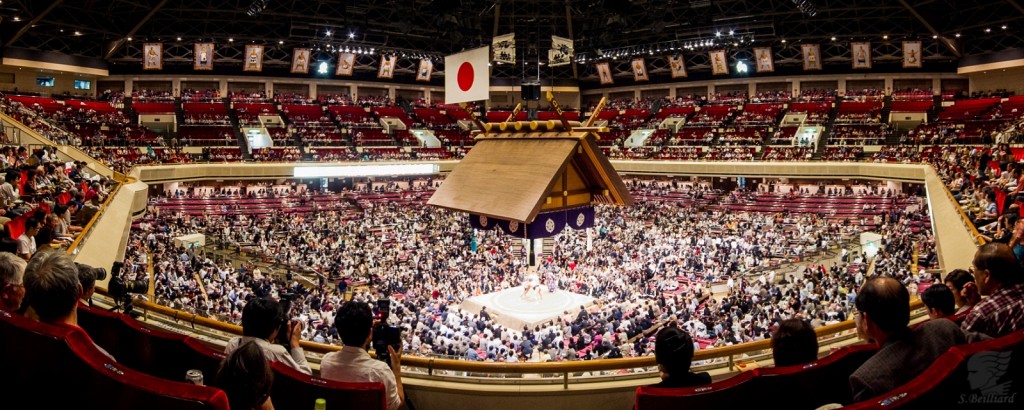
(299, 391)
(154, 352)
(36, 355)
(960, 378)
(823, 381)
(732, 393)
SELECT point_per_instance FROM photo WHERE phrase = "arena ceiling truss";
(114, 30)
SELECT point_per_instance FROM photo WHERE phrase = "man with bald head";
(999, 276)
(882, 316)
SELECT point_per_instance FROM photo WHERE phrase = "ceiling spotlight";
(1004, 27)
(231, 40)
(783, 41)
(328, 33)
(885, 37)
(718, 34)
(935, 36)
(957, 35)
(988, 30)
(16, 18)
(129, 39)
(833, 38)
(280, 42)
(351, 35)
(731, 32)
(78, 33)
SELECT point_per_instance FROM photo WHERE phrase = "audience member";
(12, 285)
(883, 313)
(352, 363)
(938, 299)
(246, 377)
(1000, 278)
(52, 289)
(794, 342)
(965, 291)
(673, 350)
(27, 240)
(261, 320)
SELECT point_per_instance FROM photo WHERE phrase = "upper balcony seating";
(963, 110)
(34, 354)
(101, 107)
(47, 104)
(393, 112)
(432, 117)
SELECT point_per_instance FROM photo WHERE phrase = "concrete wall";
(108, 238)
(25, 81)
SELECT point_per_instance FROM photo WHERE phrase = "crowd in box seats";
(215, 113)
(784, 226)
(765, 114)
(292, 98)
(771, 97)
(859, 113)
(192, 95)
(712, 115)
(731, 98)
(865, 94)
(207, 135)
(913, 94)
(249, 113)
(858, 134)
(351, 115)
(783, 136)
(896, 153)
(679, 153)
(817, 112)
(146, 95)
(333, 154)
(631, 153)
(817, 95)
(248, 96)
(385, 154)
(730, 154)
(305, 114)
(842, 154)
(788, 153)
(743, 135)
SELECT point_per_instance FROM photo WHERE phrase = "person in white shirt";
(27, 240)
(352, 363)
(261, 321)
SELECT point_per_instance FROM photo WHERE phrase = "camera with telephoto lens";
(120, 288)
(98, 273)
(384, 335)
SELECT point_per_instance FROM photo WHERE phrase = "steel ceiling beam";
(1016, 6)
(116, 44)
(946, 41)
(24, 29)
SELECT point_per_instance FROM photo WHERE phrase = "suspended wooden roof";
(517, 172)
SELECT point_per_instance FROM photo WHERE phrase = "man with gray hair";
(12, 285)
(52, 289)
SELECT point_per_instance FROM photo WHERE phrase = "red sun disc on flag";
(465, 76)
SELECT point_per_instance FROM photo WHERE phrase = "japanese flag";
(467, 76)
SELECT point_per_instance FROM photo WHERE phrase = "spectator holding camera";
(353, 363)
(261, 321)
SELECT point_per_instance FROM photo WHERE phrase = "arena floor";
(513, 310)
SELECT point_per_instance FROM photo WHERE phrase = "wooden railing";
(429, 366)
